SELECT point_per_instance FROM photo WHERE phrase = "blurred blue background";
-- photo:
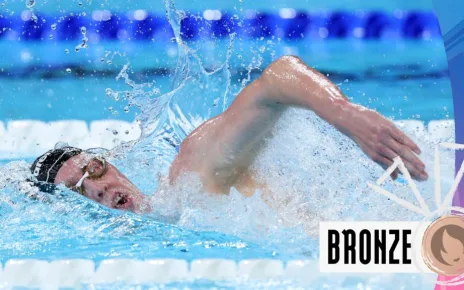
(387, 55)
(73, 5)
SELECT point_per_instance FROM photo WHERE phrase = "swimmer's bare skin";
(222, 149)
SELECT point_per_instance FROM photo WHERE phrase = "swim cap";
(45, 168)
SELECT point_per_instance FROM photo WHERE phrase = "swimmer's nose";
(96, 191)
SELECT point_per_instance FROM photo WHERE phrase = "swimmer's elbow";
(286, 61)
(284, 64)
(273, 80)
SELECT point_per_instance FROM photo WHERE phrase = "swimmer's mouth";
(122, 201)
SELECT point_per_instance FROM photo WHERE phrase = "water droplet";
(83, 30)
(109, 92)
(60, 145)
(51, 36)
(102, 59)
(34, 17)
(115, 113)
(30, 3)
(78, 48)
(68, 70)
(53, 26)
(110, 109)
(116, 96)
(127, 132)
(126, 109)
(80, 4)
(115, 132)
(66, 51)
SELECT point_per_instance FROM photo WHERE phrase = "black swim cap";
(45, 168)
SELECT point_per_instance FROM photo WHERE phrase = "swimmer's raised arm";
(222, 149)
(290, 82)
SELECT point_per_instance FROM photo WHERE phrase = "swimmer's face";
(113, 189)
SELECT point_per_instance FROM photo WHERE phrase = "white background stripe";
(30, 138)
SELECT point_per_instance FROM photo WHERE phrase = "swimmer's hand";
(381, 140)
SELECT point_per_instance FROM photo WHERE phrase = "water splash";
(30, 4)
(167, 119)
(84, 41)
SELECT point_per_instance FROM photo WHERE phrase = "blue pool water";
(380, 75)
(402, 79)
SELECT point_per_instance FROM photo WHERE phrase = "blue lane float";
(296, 27)
(287, 24)
(418, 24)
(344, 25)
(110, 26)
(259, 25)
(34, 30)
(147, 28)
(192, 26)
(380, 25)
(69, 28)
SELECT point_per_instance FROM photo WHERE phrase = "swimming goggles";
(94, 169)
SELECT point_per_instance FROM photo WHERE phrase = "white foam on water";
(442, 130)
(188, 206)
(2, 130)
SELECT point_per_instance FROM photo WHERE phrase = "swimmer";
(222, 149)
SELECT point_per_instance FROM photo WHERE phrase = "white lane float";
(25, 273)
(261, 269)
(213, 269)
(29, 138)
(70, 273)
